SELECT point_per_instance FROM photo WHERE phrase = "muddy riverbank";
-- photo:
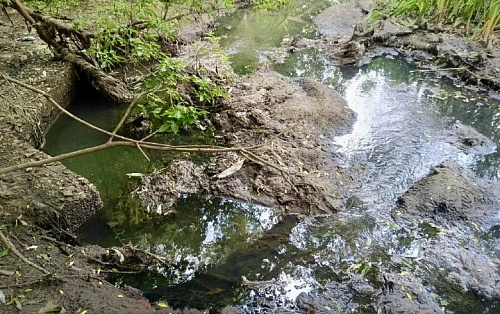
(351, 37)
(41, 207)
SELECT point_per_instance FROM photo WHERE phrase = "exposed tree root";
(59, 36)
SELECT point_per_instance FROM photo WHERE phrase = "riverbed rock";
(469, 140)
(466, 269)
(335, 298)
(450, 195)
(339, 20)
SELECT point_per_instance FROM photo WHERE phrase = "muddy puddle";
(406, 123)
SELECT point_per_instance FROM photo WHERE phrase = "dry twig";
(12, 247)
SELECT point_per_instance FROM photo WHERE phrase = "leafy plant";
(179, 116)
(205, 90)
(136, 33)
(178, 93)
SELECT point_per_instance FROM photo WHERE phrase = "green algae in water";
(108, 169)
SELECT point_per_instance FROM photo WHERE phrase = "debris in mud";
(159, 191)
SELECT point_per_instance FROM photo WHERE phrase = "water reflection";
(400, 131)
(248, 33)
(311, 63)
(200, 233)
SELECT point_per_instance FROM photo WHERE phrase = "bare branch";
(125, 115)
(125, 141)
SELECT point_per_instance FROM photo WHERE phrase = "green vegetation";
(139, 33)
(478, 16)
(138, 38)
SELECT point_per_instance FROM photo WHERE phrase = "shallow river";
(402, 118)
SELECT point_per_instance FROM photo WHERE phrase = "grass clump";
(480, 17)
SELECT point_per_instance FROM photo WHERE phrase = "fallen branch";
(90, 125)
(125, 115)
(192, 149)
(125, 141)
(44, 279)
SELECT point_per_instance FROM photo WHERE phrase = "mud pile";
(293, 121)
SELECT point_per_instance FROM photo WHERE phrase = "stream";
(402, 118)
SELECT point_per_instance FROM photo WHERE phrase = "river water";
(402, 118)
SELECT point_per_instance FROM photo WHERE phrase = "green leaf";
(174, 127)
(4, 252)
(163, 128)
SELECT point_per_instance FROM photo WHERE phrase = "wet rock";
(335, 298)
(450, 194)
(363, 288)
(340, 19)
(299, 43)
(353, 202)
(390, 29)
(469, 140)
(409, 296)
(467, 270)
(232, 310)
